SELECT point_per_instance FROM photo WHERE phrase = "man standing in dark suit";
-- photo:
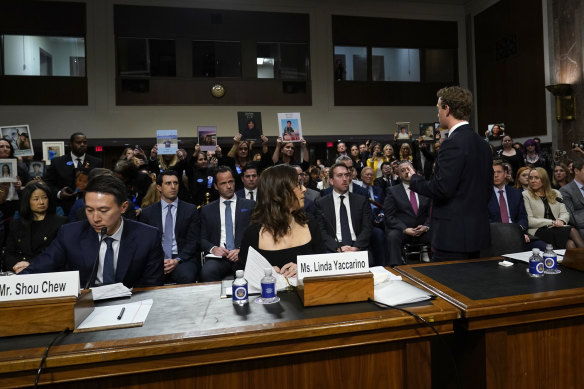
(462, 184)
(345, 218)
(407, 216)
(61, 172)
(128, 251)
(180, 224)
(223, 223)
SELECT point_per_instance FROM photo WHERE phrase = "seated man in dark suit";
(344, 217)
(375, 197)
(573, 197)
(388, 178)
(249, 177)
(353, 188)
(180, 224)
(223, 223)
(130, 252)
(407, 217)
(61, 172)
(506, 206)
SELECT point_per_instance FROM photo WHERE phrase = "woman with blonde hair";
(377, 158)
(405, 152)
(547, 216)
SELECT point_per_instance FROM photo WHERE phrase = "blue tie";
(167, 239)
(345, 229)
(230, 242)
(109, 275)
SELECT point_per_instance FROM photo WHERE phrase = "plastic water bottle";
(239, 289)
(550, 260)
(536, 266)
(268, 282)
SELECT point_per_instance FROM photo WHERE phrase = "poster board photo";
(8, 171)
(403, 131)
(207, 137)
(52, 150)
(36, 169)
(428, 132)
(290, 127)
(19, 137)
(496, 131)
(249, 125)
(167, 141)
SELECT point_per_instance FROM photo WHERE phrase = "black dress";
(280, 257)
(556, 236)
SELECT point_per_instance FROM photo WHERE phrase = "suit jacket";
(241, 194)
(312, 194)
(461, 188)
(536, 210)
(140, 257)
(574, 202)
(381, 183)
(516, 207)
(61, 171)
(398, 210)
(357, 189)
(211, 223)
(187, 228)
(360, 216)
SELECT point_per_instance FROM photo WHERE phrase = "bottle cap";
(549, 247)
(239, 274)
(267, 271)
(536, 251)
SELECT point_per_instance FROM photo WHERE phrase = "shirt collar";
(165, 204)
(118, 234)
(462, 123)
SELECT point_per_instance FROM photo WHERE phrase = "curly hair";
(458, 99)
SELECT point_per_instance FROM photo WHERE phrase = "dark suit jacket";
(381, 183)
(516, 207)
(360, 217)
(61, 171)
(140, 258)
(357, 189)
(241, 194)
(460, 189)
(211, 223)
(187, 229)
(398, 210)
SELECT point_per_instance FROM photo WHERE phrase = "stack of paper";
(254, 272)
(110, 291)
(394, 291)
(116, 316)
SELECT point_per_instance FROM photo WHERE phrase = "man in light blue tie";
(223, 223)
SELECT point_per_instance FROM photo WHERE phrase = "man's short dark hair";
(110, 185)
(343, 158)
(99, 171)
(168, 172)
(578, 164)
(336, 165)
(249, 166)
(222, 169)
(458, 99)
(388, 163)
(72, 138)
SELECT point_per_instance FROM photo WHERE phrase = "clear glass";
(31, 55)
(350, 63)
(394, 64)
(216, 59)
(285, 61)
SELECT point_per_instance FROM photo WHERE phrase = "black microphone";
(93, 274)
(560, 200)
(321, 214)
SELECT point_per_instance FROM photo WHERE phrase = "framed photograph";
(290, 126)
(403, 131)
(250, 125)
(496, 131)
(8, 169)
(52, 150)
(167, 141)
(36, 169)
(19, 137)
(207, 137)
(428, 132)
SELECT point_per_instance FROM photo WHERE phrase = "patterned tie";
(229, 241)
(503, 208)
(413, 201)
(345, 229)
(167, 239)
(251, 195)
(109, 275)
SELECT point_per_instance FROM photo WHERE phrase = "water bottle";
(239, 289)
(536, 266)
(550, 260)
(268, 295)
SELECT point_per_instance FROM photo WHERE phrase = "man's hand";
(233, 255)
(219, 251)
(411, 232)
(421, 230)
(169, 265)
(66, 193)
(526, 237)
(344, 249)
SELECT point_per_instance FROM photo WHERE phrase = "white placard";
(44, 285)
(332, 264)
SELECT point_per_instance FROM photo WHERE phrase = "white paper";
(381, 274)
(107, 316)
(110, 291)
(399, 292)
(254, 272)
(524, 256)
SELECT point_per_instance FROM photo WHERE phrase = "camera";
(561, 153)
(580, 145)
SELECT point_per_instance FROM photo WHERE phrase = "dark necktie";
(251, 195)
(79, 163)
(503, 208)
(345, 229)
(109, 275)
(413, 201)
(167, 239)
(229, 241)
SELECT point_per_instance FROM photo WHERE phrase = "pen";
(121, 313)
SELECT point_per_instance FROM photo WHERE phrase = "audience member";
(137, 182)
(533, 157)
(573, 197)
(310, 194)
(405, 152)
(376, 159)
(284, 153)
(151, 197)
(522, 178)
(249, 176)
(358, 162)
(9, 191)
(561, 176)
(510, 155)
(353, 188)
(388, 178)
(376, 197)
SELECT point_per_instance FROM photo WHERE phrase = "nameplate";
(317, 265)
(35, 286)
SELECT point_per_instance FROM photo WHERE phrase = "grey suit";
(312, 194)
(574, 201)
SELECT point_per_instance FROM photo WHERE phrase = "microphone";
(560, 200)
(93, 274)
(321, 214)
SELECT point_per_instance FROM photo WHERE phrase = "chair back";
(506, 238)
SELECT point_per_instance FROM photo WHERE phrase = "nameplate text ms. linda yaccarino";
(317, 265)
(36, 286)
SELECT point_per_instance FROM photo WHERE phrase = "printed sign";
(34, 286)
(332, 264)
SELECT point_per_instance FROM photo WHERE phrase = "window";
(350, 63)
(391, 64)
(147, 57)
(216, 59)
(30, 55)
(285, 61)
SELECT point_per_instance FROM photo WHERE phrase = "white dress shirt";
(117, 236)
(164, 206)
(337, 200)
(222, 216)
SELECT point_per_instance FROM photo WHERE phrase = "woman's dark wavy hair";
(9, 144)
(25, 211)
(276, 198)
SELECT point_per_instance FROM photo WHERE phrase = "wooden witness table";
(193, 338)
(515, 331)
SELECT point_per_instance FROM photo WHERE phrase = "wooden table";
(515, 331)
(193, 338)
